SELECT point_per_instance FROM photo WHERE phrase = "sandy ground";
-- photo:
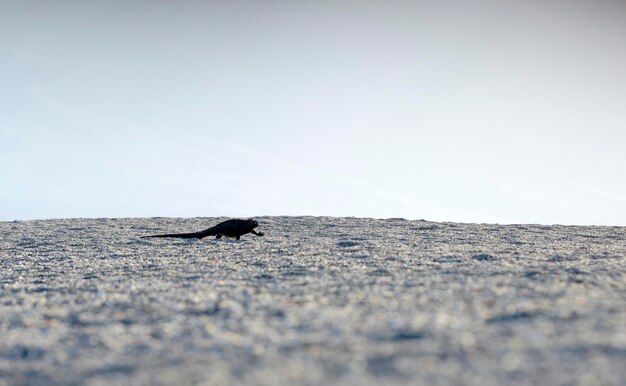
(318, 300)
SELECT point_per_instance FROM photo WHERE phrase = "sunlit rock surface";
(318, 300)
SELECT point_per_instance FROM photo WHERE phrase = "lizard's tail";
(194, 235)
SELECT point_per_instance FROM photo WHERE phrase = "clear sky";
(472, 111)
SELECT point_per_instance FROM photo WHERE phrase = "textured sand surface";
(318, 300)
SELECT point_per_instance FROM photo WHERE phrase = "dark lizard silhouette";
(229, 228)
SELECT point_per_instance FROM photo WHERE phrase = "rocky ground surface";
(318, 300)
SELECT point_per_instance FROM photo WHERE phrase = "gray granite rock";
(318, 300)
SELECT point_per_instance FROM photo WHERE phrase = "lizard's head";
(253, 223)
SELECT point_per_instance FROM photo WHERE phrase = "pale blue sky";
(472, 111)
